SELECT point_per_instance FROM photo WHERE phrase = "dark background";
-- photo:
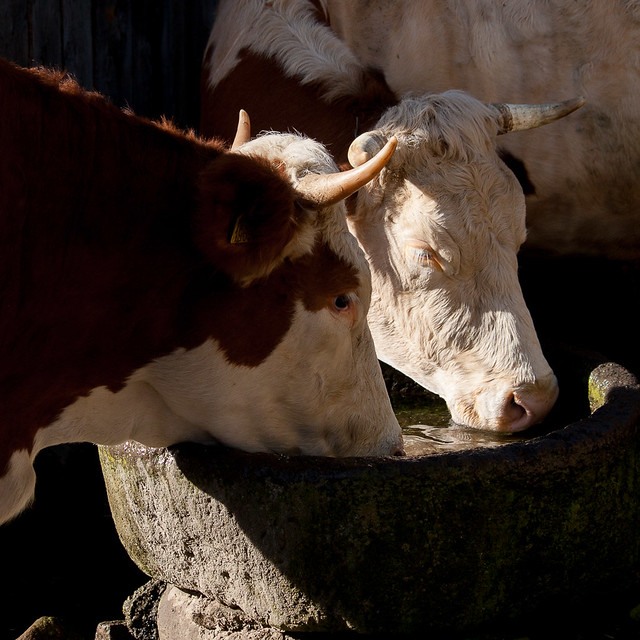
(142, 53)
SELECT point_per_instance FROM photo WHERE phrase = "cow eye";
(341, 303)
(421, 254)
(345, 308)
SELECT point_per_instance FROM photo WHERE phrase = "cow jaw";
(312, 406)
(494, 378)
(288, 405)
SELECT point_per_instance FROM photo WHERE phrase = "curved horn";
(520, 117)
(322, 190)
(243, 133)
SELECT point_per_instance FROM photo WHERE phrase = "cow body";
(441, 226)
(581, 176)
(126, 313)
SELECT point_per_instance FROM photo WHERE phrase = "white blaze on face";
(441, 230)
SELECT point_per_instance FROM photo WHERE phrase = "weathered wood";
(46, 33)
(112, 49)
(145, 54)
(77, 40)
(14, 31)
(146, 27)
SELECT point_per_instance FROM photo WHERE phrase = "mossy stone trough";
(443, 542)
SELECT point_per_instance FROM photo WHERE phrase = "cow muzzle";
(508, 410)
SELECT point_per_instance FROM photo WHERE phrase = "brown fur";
(265, 235)
(287, 105)
(100, 270)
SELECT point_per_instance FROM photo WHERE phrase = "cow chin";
(506, 408)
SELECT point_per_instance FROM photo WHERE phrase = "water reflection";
(429, 429)
(420, 439)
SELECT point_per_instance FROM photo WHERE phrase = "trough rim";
(619, 410)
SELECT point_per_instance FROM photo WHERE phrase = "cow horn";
(327, 189)
(520, 117)
(243, 133)
(364, 147)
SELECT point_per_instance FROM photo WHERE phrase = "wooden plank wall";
(142, 53)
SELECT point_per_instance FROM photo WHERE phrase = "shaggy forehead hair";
(293, 154)
(452, 125)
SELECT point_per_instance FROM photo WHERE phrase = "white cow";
(441, 225)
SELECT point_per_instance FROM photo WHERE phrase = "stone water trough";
(444, 542)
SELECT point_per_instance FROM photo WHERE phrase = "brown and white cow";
(442, 224)
(157, 288)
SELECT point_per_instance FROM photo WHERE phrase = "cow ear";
(247, 221)
(365, 147)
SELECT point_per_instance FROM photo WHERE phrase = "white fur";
(17, 485)
(288, 31)
(459, 326)
(585, 167)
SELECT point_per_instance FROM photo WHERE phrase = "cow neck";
(366, 108)
(277, 102)
(96, 245)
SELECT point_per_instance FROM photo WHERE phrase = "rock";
(48, 628)
(193, 617)
(604, 379)
(141, 610)
(634, 614)
(113, 630)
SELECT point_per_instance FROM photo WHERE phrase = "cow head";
(441, 227)
(291, 365)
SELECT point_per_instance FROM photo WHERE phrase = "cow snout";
(528, 405)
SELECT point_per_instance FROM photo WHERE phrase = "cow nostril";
(527, 405)
(399, 451)
(514, 411)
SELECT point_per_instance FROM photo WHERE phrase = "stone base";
(190, 616)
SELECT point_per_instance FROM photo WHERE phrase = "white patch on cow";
(289, 32)
(456, 323)
(17, 485)
(286, 404)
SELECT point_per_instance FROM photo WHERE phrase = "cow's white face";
(320, 392)
(441, 228)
